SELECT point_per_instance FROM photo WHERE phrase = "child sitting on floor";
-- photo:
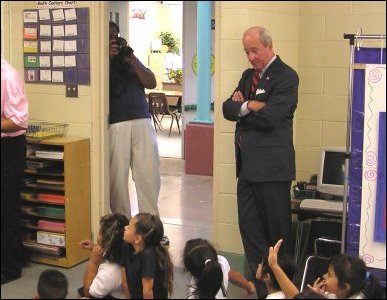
(211, 272)
(103, 276)
(148, 269)
(346, 278)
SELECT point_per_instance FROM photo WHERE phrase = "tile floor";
(169, 146)
(186, 209)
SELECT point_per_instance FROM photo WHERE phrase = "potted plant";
(168, 40)
(175, 75)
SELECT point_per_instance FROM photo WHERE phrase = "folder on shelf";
(49, 154)
(51, 226)
(43, 249)
(51, 212)
(32, 164)
(50, 181)
(50, 238)
(28, 223)
(51, 198)
(28, 210)
(28, 196)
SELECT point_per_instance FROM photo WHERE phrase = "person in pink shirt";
(14, 117)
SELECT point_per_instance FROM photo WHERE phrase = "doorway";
(155, 32)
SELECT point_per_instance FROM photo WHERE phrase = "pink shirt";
(14, 105)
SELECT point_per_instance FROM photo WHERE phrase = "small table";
(303, 215)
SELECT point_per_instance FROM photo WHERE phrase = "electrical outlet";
(71, 90)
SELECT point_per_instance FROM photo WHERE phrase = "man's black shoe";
(5, 279)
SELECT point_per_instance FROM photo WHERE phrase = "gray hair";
(264, 35)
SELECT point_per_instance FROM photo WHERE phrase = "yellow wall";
(323, 69)
(309, 37)
(86, 115)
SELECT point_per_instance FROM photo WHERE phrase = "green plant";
(168, 40)
(175, 75)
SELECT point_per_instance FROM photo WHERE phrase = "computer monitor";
(330, 177)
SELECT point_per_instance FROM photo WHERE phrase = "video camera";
(125, 50)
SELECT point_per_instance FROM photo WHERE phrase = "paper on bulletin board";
(373, 252)
(30, 47)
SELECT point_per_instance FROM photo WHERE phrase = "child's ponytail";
(201, 260)
(210, 281)
(151, 229)
(164, 260)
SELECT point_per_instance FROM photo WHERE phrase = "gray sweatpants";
(133, 144)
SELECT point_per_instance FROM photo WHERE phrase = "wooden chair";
(158, 106)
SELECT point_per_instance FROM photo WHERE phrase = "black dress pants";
(13, 158)
(264, 212)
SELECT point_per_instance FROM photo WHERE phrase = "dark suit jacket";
(266, 151)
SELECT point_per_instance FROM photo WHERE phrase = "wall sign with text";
(56, 46)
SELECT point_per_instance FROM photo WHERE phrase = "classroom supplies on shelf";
(50, 238)
(44, 130)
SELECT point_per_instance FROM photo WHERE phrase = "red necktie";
(254, 83)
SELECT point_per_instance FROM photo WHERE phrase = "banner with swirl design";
(373, 250)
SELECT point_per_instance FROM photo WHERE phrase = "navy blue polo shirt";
(127, 95)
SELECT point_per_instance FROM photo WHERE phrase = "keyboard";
(322, 205)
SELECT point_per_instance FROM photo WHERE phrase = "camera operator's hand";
(145, 75)
(114, 49)
(132, 59)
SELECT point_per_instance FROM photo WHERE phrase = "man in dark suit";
(263, 107)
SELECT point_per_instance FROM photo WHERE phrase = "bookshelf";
(56, 200)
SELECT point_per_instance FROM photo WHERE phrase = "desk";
(167, 93)
(170, 94)
(303, 215)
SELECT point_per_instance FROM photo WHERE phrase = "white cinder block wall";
(309, 37)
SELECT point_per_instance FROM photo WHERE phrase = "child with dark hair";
(52, 284)
(148, 267)
(347, 278)
(211, 272)
(103, 276)
(265, 274)
(309, 294)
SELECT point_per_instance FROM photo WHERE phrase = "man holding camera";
(133, 142)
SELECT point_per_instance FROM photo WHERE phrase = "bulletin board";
(56, 46)
(372, 244)
(366, 224)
